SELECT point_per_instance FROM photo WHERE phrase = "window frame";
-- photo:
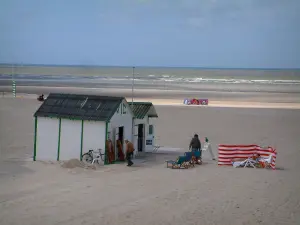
(150, 128)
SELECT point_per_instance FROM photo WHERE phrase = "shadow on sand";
(280, 168)
(13, 168)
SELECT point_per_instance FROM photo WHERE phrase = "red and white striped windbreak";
(229, 152)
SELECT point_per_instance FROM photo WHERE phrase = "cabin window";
(150, 129)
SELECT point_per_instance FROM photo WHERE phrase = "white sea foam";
(230, 81)
(148, 78)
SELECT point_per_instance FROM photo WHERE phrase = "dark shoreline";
(162, 94)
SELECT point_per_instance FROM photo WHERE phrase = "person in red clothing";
(129, 152)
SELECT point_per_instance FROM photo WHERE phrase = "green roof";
(141, 109)
(82, 107)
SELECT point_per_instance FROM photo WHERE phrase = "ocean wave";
(228, 81)
(149, 78)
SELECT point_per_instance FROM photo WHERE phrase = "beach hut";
(68, 125)
(144, 128)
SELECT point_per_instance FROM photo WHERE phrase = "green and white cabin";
(68, 125)
(144, 124)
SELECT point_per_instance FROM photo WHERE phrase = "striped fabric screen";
(229, 152)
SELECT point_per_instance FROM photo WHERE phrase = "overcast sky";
(200, 33)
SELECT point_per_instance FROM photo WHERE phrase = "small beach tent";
(144, 127)
(68, 125)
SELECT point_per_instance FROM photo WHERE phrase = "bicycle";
(91, 156)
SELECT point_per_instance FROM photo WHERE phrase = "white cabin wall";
(151, 121)
(146, 121)
(94, 136)
(140, 121)
(70, 139)
(47, 135)
(122, 117)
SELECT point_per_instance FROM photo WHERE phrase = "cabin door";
(141, 137)
(119, 137)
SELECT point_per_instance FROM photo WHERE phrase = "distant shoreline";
(145, 67)
(170, 96)
(178, 103)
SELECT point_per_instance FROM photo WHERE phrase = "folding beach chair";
(250, 163)
(179, 163)
(238, 163)
(246, 163)
(156, 147)
(266, 162)
(197, 157)
(189, 158)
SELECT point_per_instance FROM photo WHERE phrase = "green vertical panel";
(106, 133)
(35, 139)
(81, 143)
(59, 132)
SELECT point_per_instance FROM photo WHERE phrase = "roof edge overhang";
(152, 112)
(36, 114)
(72, 118)
(153, 116)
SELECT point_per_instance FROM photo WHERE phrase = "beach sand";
(36, 193)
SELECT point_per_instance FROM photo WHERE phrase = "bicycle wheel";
(87, 158)
(101, 155)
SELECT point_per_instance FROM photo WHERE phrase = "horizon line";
(164, 67)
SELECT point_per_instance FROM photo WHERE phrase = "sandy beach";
(86, 87)
(148, 193)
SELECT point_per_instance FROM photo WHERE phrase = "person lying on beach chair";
(238, 162)
(179, 163)
(265, 162)
(189, 158)
(197, 157)
(241, 162)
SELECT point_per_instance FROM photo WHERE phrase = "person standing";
(129, 152)
(195, 145)
(209, 149)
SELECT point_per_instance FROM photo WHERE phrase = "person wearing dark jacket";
(195, 145)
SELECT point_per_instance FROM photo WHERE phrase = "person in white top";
(207, 145)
